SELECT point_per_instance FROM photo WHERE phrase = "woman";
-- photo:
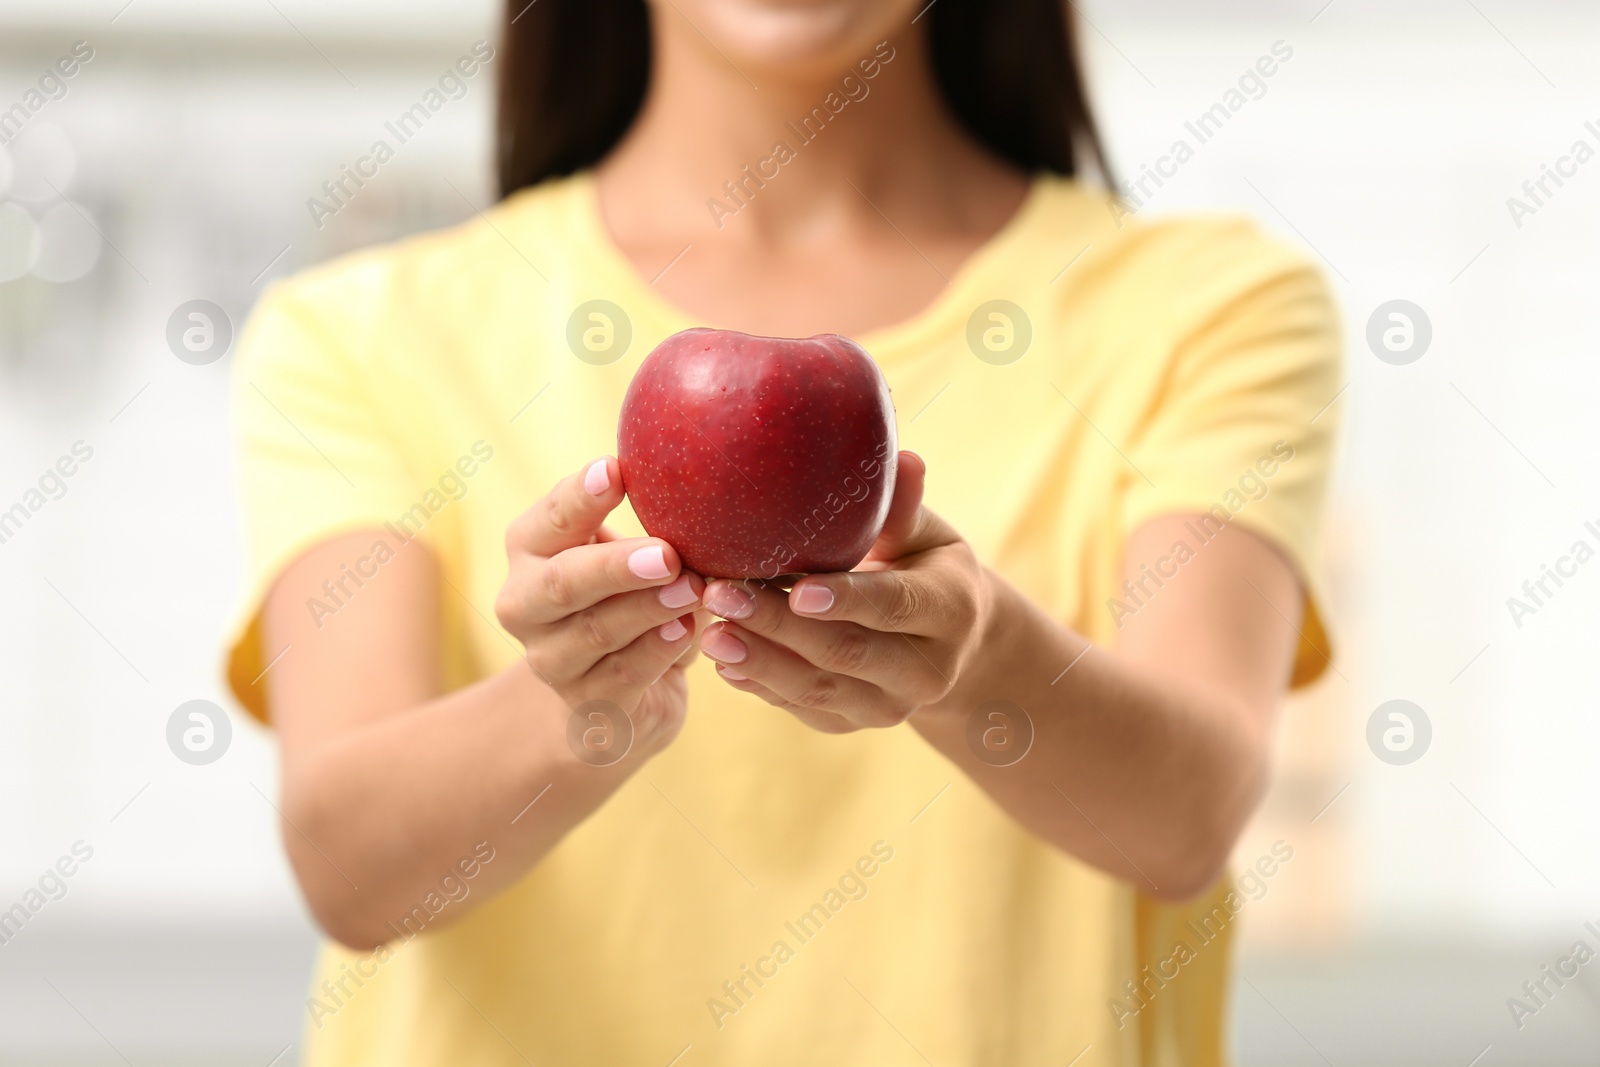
(1056, 676)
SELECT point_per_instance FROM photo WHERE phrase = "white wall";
(1389, 142)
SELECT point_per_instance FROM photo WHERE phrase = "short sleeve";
(312, 457)
(1243, 428)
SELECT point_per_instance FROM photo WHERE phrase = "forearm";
(1132, 769)
(377, 817)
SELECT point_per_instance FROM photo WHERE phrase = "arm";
(387, 784)
(1147, 757)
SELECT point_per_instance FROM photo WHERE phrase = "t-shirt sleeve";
(313, 459)
(1243, 429)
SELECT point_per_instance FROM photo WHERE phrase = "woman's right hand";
(601, 618)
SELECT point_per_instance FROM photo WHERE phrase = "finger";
(824, 721)
(905, 509)
(624, 675)
(916, 602)
(840, 647)
(702, 619)
(910, 478)
(578, 578)
(796, 681)
(571, 513)
(691, 651)
(909, 528)
(569, 648)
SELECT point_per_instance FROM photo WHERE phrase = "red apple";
(756, 457)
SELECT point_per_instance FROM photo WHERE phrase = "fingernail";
(597, 479)
(724, 647)
(680, 594)
(672, 631)
(812, 599)
(648, 562)
(731, 674)
(730, 603)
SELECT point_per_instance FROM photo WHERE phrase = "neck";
(761, 153)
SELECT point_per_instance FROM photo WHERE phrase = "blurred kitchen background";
(176, 166)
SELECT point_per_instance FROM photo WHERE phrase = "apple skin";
(757, 457)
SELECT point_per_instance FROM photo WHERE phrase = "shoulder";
(1204, 254)
(361, 302)
(1168, 278)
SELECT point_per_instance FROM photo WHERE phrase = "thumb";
(910, 527)
(572, 513)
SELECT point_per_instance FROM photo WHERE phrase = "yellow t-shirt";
(761, 893)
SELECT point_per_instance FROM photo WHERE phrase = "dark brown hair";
(573, 75)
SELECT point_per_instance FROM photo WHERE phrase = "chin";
(795, 37)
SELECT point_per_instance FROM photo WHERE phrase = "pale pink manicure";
(724, 648)
(648, 562)
(597, 479)
(812, 599)
(672, 631)
(730, 603)
(731, 674)
(680, 594)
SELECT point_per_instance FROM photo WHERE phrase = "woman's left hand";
(869, 647)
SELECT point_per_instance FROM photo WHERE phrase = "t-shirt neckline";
(955, 299)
